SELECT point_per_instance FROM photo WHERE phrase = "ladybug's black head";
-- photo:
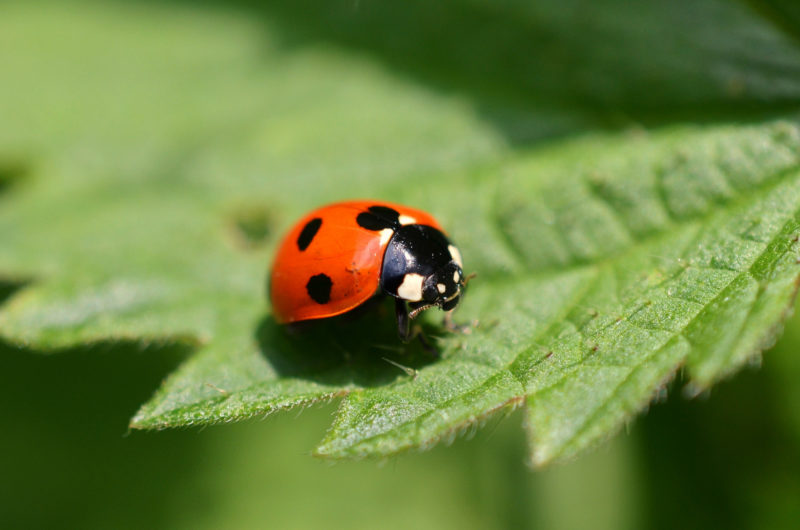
(443, 287)
(421, 266)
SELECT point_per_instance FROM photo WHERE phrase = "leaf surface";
(134, 209)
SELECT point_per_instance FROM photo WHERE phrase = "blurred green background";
(730, 459)
(524, 76)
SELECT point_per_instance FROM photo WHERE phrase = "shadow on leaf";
(359, 348)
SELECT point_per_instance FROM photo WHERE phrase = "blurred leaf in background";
(152, 152)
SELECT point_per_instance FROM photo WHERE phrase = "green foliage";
(663, 253)
(150, 178)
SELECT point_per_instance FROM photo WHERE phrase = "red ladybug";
(341, 255)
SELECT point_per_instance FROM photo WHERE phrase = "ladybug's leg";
(403, 320)
(453, 326)
(408, 332)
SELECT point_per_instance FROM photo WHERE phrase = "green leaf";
(148, 171)
(662, 252)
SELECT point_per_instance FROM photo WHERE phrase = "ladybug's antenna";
(412, 314)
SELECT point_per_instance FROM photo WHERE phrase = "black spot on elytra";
(378, 218)
(319, 288)
(308, 233)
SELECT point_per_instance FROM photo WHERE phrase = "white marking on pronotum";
(456, 255)
(386, 235)
(406, 220)
(411, 288)
(456, 277)
(441, 287)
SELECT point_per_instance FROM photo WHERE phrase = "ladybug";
(341, 255)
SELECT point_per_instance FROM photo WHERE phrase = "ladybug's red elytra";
(341, 255)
